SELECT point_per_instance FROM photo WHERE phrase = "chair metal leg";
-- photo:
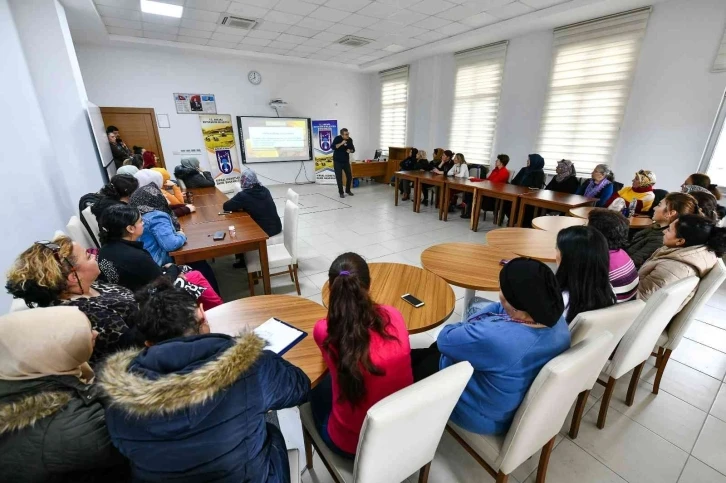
(423, 474)
(297, 279)
(308, 449)
(661, 369)
(605, 403)
(634, 384)
(251, 282)
(544, 460)
(577, 415)
(502, 478)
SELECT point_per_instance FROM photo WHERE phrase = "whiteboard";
(103, 149)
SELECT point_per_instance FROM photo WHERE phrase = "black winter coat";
(192, 409)
(53, 429)
(128, 264)
(569, 185)
(645, 243)
(258, 202)
(193, 178)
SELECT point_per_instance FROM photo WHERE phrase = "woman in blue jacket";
(600, 186)
(191, 406)
(507, 343)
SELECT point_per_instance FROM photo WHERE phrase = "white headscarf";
(146, 176)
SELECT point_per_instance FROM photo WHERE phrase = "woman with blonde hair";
(52, 424)
(61, 272)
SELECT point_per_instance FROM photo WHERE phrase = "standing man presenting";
(342, 147)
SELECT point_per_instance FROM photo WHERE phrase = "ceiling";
(309, 29)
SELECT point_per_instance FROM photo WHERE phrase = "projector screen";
(274, 139)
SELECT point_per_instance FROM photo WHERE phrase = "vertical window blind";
(592, 72)
(719, 65)
(394, 107)
(479, 74)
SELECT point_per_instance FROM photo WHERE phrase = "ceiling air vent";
(238, 22)
(353, 41)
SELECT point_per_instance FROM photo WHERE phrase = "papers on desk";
(280, 336)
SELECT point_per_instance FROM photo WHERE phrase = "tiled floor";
(678, 436)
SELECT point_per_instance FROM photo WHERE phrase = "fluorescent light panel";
(159, 8)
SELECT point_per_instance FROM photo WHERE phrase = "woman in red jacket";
(500, 174)
(367, 351)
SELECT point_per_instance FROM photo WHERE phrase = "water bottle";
(631, 208)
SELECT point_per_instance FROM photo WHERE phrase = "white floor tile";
(686, 383)
(707, 335)
(635, 453)
(719, 406)
(711, 445)
(713, 316)
(315, 265)
(698, 472)
(702, 358)
(571, 464)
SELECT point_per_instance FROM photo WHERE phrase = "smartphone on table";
(412, 300)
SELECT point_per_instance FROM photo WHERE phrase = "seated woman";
(641, 192)
(582, 271)
(408, 164)
(623, 274)
(192, 175)
(53, 428)
(124, 261)
(429, 166)
(446, 163)
(61, 272)
(709, 206)
(646, 241)
(600, 185)
(507, 343)
(700, 182)
(565, 181)
(116, 192)
(256, 200)
(692, 244)
(531, 176)
(148, 176)
(191, 406)
(173, 194)
(127, 169)
(499, 174)
(459, 170)
(150, 159)
(367, 351)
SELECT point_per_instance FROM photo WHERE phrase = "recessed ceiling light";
(159, 8)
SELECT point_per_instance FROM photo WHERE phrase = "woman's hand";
(192, 208)
(169, 183)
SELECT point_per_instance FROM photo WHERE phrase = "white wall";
(131, 77)
(34, 196)
(672, 105)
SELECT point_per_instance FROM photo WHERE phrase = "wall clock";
(254, 77)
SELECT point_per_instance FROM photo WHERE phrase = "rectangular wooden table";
(202, 224)
(551, 200)
(411, 176)
(501, 192)
(436, 180)
(459, 184)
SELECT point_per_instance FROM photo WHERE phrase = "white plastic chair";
(91, 221)
(293, 456)
(181, 183)
(17, 305)
(638, 342)
(541, 414)
(293, 196)
(281, 255)
(78, 232)
(616, 319)
(400, 433)
(279, 238)
(676, 329)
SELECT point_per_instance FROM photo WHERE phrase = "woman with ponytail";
(117, 191)
(692, 246)
(367, 350)
(700, 182)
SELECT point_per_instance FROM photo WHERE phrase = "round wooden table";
(636, 222)
(557, 223)
(525, 242)
(470, 265)
(234, 317)
(391, 280)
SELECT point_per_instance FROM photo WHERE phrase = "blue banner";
(323, 134)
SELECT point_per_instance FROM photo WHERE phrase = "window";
(592, 72)
(719, 65)
(714, 156)
(394, 104)
(476, 101)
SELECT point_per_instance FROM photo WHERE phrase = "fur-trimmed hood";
(27, 410)
(191, 385)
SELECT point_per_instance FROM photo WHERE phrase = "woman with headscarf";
(192, 175)
(256, 200)
(600, 185)
(52, 424)
(129, 170)
(641, 192)
(173, 194)
(532, 175)
(148, 176)
(507, 342)
(565, 181)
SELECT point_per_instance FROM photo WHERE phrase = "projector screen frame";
(240, 132)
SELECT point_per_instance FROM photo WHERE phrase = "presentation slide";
(274, 139)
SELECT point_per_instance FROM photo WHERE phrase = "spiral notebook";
(280, 336)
